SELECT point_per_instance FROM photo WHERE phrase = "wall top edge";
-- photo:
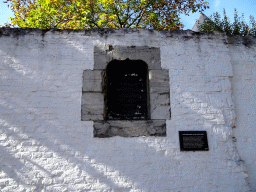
(248, 41)
(184, 35)
(19, 32)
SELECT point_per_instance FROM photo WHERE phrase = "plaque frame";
(199, 137)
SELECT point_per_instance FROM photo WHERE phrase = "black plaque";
(193, 141)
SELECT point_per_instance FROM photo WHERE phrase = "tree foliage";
(79, 14)
(238, 27)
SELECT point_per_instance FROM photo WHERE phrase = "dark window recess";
(126, 90)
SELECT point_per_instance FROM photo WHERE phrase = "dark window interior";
(126, 91)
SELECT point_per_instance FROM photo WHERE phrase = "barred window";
(127, 90)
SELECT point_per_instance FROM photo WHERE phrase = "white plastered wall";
(44, 145)
(244, 91)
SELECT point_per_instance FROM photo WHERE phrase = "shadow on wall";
(45, 147)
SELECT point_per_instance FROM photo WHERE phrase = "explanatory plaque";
(193, 141)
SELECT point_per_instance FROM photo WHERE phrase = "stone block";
(92, 85)
(91, 117)
(159, 75)
(92, 75)
(159, 87)
(126, 128)
(92, 99)
(92, 82)
(92, 106)
(101, 61)
(92, 109)
(161, 112)
(160, 106)
(159, 81)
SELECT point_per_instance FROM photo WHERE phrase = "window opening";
(127, 90)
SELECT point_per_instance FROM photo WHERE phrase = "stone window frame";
(92, 104)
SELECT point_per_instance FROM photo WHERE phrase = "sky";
(248, 7)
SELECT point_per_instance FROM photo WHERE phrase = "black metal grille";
(126, 91)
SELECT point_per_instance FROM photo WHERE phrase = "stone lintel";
(104, 54)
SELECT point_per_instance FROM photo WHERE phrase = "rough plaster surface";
(244, 92)
(44, 145)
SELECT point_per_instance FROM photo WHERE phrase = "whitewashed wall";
(244, 91)
(44, 145)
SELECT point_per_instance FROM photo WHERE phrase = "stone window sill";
(129, 128)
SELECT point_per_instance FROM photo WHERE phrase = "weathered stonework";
(94, 107)
(126, 128)
(92, 103)
(104, 54)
